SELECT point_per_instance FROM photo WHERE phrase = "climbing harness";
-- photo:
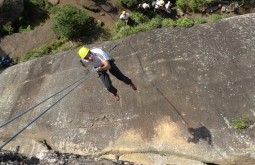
(78, 82)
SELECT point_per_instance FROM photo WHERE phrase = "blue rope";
(10, 120)
(42, 113)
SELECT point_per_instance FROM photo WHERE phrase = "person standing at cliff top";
(144, 6)
(125, 16)
(101, 61)
(167, 6)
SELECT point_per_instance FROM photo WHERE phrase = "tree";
(70, 22)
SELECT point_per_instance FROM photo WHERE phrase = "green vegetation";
(42, 4)
(200, 20)
(129, 3)
(154, 23)
(27, 29)
(167, 22)
(35, 12)
(139, 17)
(199, 5)
(8, 29)
(185, 5)
(119, 25)
(216, 17)
(182, 4)
(193, 5)
(148, 24)
(70, 22)
(145, 24)
(185, 22)
(202, 5)
(45, 50)
(242, 122)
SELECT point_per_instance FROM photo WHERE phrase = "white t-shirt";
(145, 6)
(124, 16)
(167, 6)
(98, 56)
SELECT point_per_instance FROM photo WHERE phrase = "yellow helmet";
(124, 12)
(83, 51)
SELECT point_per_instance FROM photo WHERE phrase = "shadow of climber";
(200, 133)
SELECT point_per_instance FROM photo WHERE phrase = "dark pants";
(104, 76)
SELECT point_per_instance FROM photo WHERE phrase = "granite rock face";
(10, 10)
(192, 85)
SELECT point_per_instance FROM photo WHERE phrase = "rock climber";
(102, 62)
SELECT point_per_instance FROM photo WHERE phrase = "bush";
(182, 4)
(27, 29)
(129, 3)
(8, 29)
(185, 22)
(243, 122)
(154, 23)
(123, 32)
(140, 28)
(45, 50)
(42, 4)
(198, 5)
(201, 20)
(70, 22)
(167, 22)
(216, 17)
(139, 17)
(127, 30)
(194, 5)
(119, 24)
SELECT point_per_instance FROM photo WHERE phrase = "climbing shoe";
(133, 86)
(116, 96)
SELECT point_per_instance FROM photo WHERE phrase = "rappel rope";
(30, 109)
(80, 81)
